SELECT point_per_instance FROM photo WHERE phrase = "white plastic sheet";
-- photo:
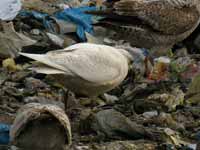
(9, 9)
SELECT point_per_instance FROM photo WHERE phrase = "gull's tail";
(45, 65)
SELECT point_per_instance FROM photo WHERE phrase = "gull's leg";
(66, 99)
(69, 100)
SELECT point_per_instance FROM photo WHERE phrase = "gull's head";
(132, 54)
(127, 55)
(138, 58)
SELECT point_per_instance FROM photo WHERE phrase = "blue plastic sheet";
(44, 18)
(4, 133)
(75, 15)
(145, 51)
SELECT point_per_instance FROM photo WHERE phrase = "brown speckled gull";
(152, 24)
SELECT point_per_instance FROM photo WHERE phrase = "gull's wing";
(167, 16)
(164, 16)
(45, 69)
(94, 63)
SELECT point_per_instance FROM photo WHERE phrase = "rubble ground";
(155, 109)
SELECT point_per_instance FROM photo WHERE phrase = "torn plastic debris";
(9, 9)
(77, 15)
(4, 133)
(160, 70)
(74, 15)
(11, 41)
(41, 126)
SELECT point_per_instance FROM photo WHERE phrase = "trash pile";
(155, 107)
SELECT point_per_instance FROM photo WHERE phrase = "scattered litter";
(157, 105)
(11, 41)
(73, 15)
(150, 114)
(160, 70)
(10, 65)
(4, 134)
(56, 39)
(37, 125)
(9, 9)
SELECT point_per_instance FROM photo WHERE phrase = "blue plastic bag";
(4, 133)
(44, 18)
(75, 15)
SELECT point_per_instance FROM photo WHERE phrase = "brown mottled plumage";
(153, 24)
